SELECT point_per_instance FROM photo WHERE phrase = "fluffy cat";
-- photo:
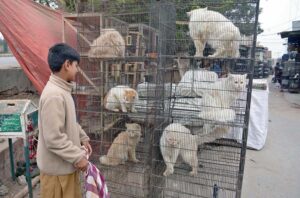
(221, 115)
(110, 43)
(207, 26)
(123, 146)
(212, 131)
(217, 100)
(121, 98)
(177, 140)
(223, 93)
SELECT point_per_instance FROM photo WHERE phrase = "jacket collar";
(61, 83)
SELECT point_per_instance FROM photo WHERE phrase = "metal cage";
(176, 59)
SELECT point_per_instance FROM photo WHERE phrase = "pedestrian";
(216, 68)
(59, 153)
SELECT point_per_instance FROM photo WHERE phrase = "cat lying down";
(121, 98)
(110, 43)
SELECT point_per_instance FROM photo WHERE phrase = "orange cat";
(123, 146)
(121, 98)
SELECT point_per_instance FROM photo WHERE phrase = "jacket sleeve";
(83, 135)
(53, 124)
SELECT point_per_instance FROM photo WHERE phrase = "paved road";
(274, 172)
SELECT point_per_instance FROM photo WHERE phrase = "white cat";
(207, 26)
(212, 130)
(224, 92)
(177, 140)
(217, 100)
(110, 43)
(123, 147)
(221, 115)
(121, 98)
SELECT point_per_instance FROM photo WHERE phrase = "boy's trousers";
(64, 186)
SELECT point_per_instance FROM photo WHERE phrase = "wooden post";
(88, 79)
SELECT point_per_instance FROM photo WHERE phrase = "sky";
(276, 16)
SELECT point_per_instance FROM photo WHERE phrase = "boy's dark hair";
(59, 53)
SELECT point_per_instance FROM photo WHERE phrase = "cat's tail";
(104, 160)
(109, 161)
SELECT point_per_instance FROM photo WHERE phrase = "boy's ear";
(65, 64)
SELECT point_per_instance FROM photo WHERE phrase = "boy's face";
(71, 70)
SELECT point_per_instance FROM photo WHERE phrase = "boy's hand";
(87, 145)
(82, 164)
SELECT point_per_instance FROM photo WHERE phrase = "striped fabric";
(94, 183)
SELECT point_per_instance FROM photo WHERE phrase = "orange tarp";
(30, 29)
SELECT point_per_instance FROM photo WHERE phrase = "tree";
(242, 13)
(68, 5)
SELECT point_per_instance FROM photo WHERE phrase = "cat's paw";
(133, 110)
(167, 172)
(136, 160)
(198, 55)
(122, 162)
(115, 110)
(193, 173)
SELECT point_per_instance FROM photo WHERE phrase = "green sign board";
(10, 123)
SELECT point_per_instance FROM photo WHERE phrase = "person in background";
(216, 68)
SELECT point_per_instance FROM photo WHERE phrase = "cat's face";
(130, 96)
(238, 81)
(172, 141)
(134, 129)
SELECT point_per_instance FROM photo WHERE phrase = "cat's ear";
(245, 76)
(205, 8)
(230, 76)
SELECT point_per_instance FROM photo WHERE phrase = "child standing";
(59, 155)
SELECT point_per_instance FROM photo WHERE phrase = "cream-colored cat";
(177, 140)
(110, 43)
(121, 98)
(123, 146)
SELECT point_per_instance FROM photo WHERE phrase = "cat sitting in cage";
(224, 92)
(211, 27)
(110, 43)
(123, 147)
(121, 98)
(217, 101)
(177, 140)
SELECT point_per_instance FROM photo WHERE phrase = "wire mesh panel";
(116, 90)
(164, 92)
(199, 147)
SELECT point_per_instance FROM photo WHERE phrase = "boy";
(59, 156)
